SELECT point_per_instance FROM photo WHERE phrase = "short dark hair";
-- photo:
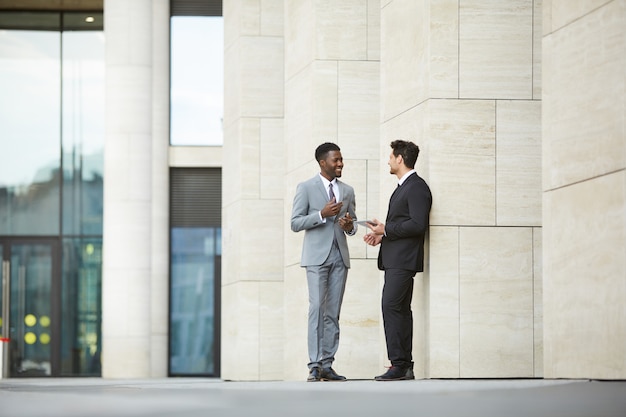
(322, 151)
(408, 150)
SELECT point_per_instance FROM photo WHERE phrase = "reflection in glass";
(83, 132)
(1, 299)
(194, 261)
(197, 80)
(31, 279)
(81, 311)
(29, 132)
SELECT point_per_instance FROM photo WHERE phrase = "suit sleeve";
(301, 219)
(419, 201)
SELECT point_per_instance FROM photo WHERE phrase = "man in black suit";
(401, 256)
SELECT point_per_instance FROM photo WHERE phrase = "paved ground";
(176, 397)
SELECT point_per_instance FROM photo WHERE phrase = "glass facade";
(51, 188)
(197, 80)
(195, 267)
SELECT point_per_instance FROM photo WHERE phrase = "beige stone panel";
(404, 60)
(231, 243)
(310, 112)
(261, 240)
(272, 17)
(518, 166)
(272, 158)
(359, 109)
(325, 102)
(444, 49)
(496, 49)
(537, 40)
(299, 120)
(496, 302)
(373, 202)
(230, 12)
(412, 126)
(241, 18)
(564, 12)
(262, 76)
(271, 330)
(232, 85)
(249, 138)
(443, 303)
(232, 194)
(461, 161)
(584, 109)
(240, 332)
(538, 300)
(546, 17)
(341, 29)
(355, 174)
(357, 357)
(299, 36)
(584, 237)
(295, 320)
(373, 30)
(195, 156)
(125, 358)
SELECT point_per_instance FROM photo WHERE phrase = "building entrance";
(30, 307)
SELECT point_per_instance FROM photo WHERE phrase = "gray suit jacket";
(311, 197)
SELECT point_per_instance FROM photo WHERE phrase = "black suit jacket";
(406, 225)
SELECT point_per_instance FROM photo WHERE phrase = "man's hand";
(376, 227)
(331, 208)
(346, 223)
(372, 239)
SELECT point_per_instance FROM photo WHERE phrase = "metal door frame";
(55, 297)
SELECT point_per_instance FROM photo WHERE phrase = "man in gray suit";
(324, 208)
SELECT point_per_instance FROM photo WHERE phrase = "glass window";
(81, 307)
(197, 80)
(83, 132)
(52, 85)
(195, 265)
(30, 130)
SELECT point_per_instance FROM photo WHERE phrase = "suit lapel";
(401, 189)
(320, 186)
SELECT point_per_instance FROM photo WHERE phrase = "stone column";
(127, 237)
(160, 261)
(584, 189)
(253, 168)
(462, 80)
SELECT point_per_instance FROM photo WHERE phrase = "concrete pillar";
(461, 79)
(127, 234)
(584, 189)
(252, 336)
(159, 281)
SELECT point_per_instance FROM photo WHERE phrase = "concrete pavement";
(186, 397)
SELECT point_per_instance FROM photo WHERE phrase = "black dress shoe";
(396, 373)
(329, 374)
(315, 374)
